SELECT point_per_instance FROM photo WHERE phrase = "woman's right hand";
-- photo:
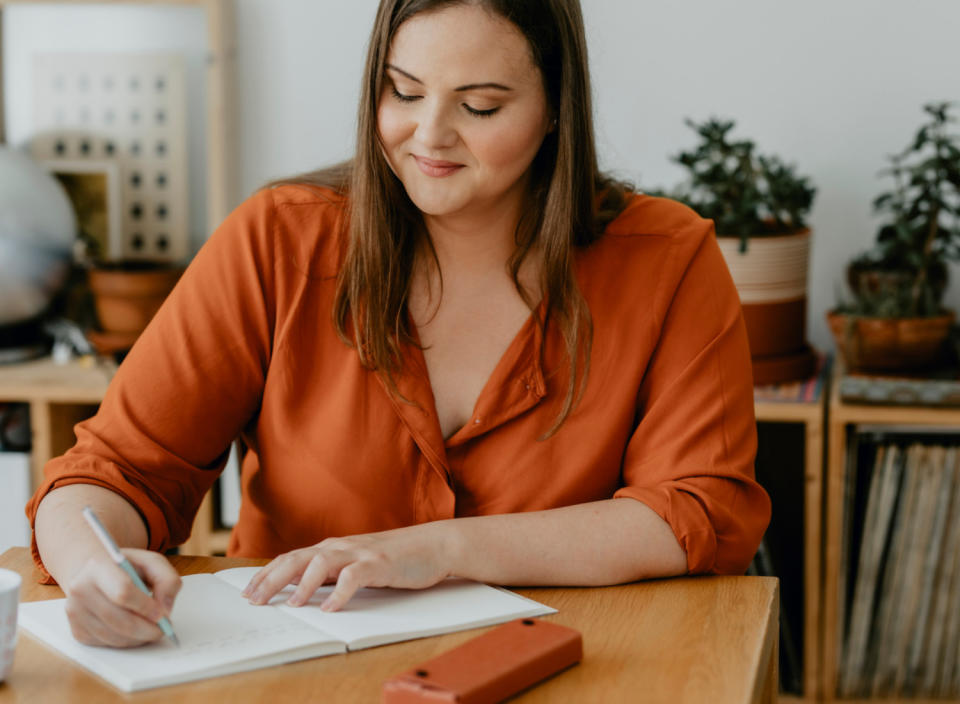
(105, 607)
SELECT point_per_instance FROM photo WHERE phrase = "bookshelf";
(843, 416)
(798, 412)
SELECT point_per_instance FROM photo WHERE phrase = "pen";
(110, 544)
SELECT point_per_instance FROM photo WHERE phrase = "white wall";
(831, 85)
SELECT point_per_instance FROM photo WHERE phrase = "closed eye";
(403, 98)
(480, 113)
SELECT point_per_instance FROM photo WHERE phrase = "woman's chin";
(438, 206)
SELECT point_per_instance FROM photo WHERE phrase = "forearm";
(65, 540)
(599, 543)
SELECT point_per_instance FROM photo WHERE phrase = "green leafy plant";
(745, 193)
(905, 273)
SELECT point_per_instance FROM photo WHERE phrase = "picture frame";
(93, 187)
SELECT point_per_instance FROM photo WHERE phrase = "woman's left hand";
(411, 558)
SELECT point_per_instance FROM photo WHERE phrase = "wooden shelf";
(42, 380)
(841, 415)
(811, 415)
(62, 395)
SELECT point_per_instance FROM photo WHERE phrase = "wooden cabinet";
(842, 417)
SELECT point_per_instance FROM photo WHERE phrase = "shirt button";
(476, 421)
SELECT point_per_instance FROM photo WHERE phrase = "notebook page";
(219, 632)
(382, 615)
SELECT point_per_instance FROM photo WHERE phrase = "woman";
(464, 353)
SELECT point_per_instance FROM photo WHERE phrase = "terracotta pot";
(884, 344)
(776, 329)
(771, 279)
(126, 300)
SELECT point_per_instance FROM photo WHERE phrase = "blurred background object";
(37, 231)
(14, 427)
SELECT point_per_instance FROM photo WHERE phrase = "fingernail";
(327, 604)
(256, 597)
(294, 600)
(168, 602)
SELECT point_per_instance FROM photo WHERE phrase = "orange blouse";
(246, 345)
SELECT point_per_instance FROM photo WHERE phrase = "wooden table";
(706, 639)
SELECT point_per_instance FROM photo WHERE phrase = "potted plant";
(895, 319)
(126, 294)
(759, 207)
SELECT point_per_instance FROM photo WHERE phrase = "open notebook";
(220, 632)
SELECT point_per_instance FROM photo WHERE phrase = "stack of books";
(934, 385)
(900, 580)
(899, 390)
(803, 391)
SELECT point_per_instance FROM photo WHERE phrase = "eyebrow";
(469, 86)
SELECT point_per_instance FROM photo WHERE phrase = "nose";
(435, 128)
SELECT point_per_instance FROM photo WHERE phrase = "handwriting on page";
(204, 644)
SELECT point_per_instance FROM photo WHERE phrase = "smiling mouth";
(437, 169)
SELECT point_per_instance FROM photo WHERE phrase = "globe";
(37, 231)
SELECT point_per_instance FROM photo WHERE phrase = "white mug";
(9, 601)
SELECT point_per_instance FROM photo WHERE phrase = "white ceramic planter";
(771, 278)
(772, 269)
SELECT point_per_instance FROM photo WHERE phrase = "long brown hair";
(570, 201)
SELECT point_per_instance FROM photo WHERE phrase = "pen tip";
(176, 641)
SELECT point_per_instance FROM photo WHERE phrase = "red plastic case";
(490, 667)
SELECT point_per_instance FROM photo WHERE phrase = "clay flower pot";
(127, 297)
(886, 344)
(771, 279)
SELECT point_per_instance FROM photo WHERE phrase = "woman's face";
(463, 111)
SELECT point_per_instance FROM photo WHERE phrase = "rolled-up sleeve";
(691, 456)
(192, 381)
